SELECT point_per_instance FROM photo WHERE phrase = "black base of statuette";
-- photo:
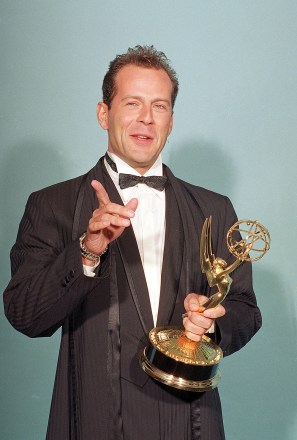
(176, 374)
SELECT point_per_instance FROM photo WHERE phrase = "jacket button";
(71, 273)
(64, 283)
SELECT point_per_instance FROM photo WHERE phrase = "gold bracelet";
(87, 254)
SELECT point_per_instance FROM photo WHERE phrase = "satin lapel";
(172, 259)
(90, 202)
(184, 253)
(128, 249)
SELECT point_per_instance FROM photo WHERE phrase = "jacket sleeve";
(243, 318)
(47, 282)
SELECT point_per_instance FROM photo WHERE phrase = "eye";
(160, 107)
(132, 104)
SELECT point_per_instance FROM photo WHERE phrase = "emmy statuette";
(175, 360)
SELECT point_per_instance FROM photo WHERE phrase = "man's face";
(140, 117)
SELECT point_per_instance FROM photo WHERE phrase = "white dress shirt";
(148, 226)
(148, 223)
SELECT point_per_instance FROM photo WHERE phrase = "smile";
(141, 137)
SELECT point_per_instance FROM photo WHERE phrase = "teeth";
(143, 137)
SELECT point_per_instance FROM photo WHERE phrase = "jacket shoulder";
(59, 195)
(193, 190)
(66, 186)
(205, 197)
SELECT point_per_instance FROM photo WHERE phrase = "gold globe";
(248, 240)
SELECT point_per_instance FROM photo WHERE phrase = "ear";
(102, 115)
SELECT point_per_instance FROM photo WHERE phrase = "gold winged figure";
(215, 268)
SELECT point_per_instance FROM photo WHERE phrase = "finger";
(193, 302)
(107, 220)
(193, 337)
(198, 319)
(95, 227)
(101, 194)
(193, 332)
(216, 312)
(132, 205)
(114, 213)
(118, 210)
(127, 211)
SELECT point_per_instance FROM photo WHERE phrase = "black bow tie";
(128, 180)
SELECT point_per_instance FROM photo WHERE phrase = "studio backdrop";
(235, 132)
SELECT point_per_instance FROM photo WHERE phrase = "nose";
(146, 115)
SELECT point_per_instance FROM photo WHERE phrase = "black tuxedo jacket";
(100, 390)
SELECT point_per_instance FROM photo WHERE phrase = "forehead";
(132, 79)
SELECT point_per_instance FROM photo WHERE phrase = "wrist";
(89, 258)
(87, 262)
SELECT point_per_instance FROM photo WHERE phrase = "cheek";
(114, 127)
(166, 131)
(170, 125)
(166, 126)
(122, 124)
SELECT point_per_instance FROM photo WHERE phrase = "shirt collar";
(122, 167)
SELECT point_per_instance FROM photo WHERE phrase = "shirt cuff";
(89, 271)
(212, 328)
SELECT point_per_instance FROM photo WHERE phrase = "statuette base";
(174, 360)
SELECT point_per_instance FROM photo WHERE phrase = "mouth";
(142, 137)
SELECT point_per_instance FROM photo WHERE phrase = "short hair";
(143, 56)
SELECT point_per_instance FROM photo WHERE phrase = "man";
(108, 261)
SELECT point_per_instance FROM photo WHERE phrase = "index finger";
(101, 194)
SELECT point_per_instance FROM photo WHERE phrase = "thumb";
(132, 204)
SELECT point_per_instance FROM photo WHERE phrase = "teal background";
(235, 132)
